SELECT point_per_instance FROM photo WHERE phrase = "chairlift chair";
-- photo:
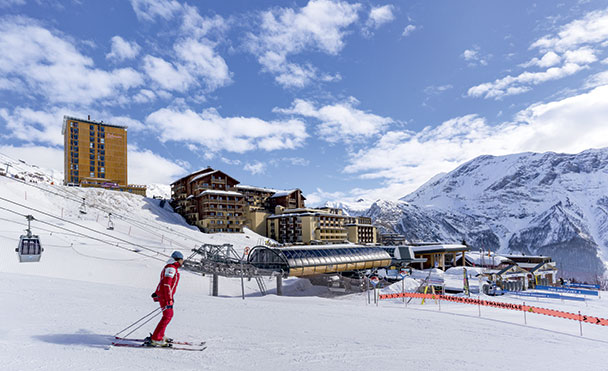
(110, 222)
(83, 207)
(29, 249)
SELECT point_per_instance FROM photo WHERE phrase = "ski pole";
(139, 320)
(140, 326)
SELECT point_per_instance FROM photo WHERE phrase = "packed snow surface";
(61, 313)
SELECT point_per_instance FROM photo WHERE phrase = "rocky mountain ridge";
(532, 203)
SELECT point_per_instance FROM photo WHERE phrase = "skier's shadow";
(83, 337)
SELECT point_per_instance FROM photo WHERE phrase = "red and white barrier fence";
(501, 305)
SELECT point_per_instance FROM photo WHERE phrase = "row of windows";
(222, 222)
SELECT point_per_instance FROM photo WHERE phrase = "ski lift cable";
(123, 217)
(91, 237)
(78, 225)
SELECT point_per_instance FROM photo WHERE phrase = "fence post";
(525, 319)
(580, 322)
(479, 305)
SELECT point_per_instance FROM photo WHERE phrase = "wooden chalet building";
(207, 199)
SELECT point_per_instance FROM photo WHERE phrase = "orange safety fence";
(501, 305)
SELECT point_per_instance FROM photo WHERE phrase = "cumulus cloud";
(233, 134)
(44, 125)
(149, 10)
(379, 16)
(255, 167)
(50, 67)
(408, 30)
(122, 49)
(147, 167)
(569, 50)
(340, 121)
(319, 26)
(407, 159)
(195, 62)
(474, 57)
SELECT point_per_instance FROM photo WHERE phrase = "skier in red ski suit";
(169, 277)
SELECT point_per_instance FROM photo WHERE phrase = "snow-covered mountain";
(533, 203)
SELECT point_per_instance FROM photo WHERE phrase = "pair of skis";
(173, 344)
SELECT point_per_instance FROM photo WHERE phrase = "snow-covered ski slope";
(61, 313)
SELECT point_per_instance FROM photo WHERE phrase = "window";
(92, 174)
(102, 142)
(92, 163)
(92, 157)
(103, 169)
(92, 168)
(102, 175)
(102, 128)
(92, 127)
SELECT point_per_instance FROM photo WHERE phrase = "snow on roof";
(440, 247)
(283, 193)
(214, 192)
(203, 175)
(254, 188)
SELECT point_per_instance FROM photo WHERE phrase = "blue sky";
(346, 100)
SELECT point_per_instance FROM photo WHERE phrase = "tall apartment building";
(95, 155)
(209, 200)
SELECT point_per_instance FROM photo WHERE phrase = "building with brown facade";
(208, 199)
(95, 155)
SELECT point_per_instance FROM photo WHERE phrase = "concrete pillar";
(215, 285)
(280, 285)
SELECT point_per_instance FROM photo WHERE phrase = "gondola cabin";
(29, 249)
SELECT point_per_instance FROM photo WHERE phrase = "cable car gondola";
(29, 248)
(83, 207)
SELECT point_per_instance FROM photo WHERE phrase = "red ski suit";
(169, 277)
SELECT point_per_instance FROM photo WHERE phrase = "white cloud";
(147, 167)
(474, 57)
(46, 65)
(201, 61)
(34, 126)
(591, 29)
(605, 61)
(130, 123)
(144, 96)
(596, 80)
(340, 121)
(255, 168)
(149, 10)
(195, 63)
(547, 60)
(233, 134)
(408, 30)
(319, 26)
(50, 158)
(511, 85)
(122, 49)
(407, 159)
(229, 161)
(44, 126)
(380, 15)
(572, 46)
(167, 75)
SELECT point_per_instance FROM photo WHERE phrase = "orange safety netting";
(497, 304)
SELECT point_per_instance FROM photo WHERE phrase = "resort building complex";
(216, 202)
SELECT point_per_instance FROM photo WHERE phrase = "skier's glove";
(169, 306)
